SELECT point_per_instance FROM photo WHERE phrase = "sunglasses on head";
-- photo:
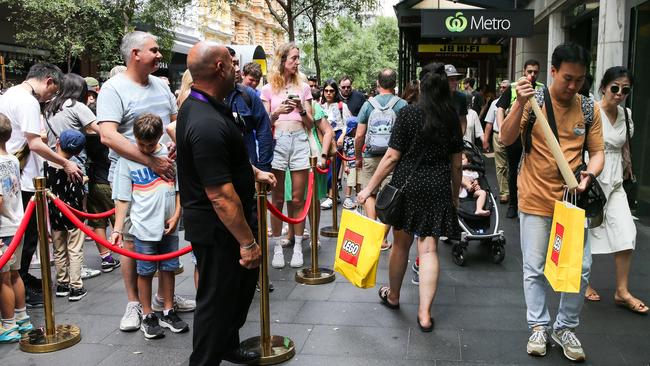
(624, 90)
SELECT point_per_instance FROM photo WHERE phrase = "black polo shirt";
(211, 152)
(354, 102)
(460, 103)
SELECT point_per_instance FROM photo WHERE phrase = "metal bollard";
(333, 230)
(314, 275)
(55, 337)
(274, 349)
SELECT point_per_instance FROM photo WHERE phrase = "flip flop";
(639, 307)
(425, 329)
(384, 248)
(383, 295)
(593, 297)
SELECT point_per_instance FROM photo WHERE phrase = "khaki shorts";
(99, 201)
(351, 178)
(370, 165)
(14, 262)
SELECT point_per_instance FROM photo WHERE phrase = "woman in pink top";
(287, 99)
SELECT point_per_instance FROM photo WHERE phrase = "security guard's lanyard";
(238, 121)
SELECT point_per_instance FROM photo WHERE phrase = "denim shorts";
(14, 262)
(291, 151)
(168, 244)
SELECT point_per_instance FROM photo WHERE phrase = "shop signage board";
(461, 23)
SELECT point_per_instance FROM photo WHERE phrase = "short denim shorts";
(291, 151)
(168, 244)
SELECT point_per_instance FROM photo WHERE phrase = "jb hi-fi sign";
(461, 23)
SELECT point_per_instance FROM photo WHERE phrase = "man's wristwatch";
(303, 113)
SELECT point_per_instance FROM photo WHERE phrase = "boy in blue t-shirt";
(154, 215)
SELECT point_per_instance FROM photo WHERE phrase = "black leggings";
(513, 152)
(30, 240)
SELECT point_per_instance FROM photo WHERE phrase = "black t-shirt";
(98, 162)
(354, 102)
(71, 193)
(460, 103)
(211, 152)
(504, 99)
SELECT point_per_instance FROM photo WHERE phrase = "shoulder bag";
(629, 179)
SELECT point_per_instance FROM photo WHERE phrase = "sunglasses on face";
(346, 87)
(624, 90)
(328, 90)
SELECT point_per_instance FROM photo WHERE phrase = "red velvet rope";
(303, 215)
(98, 239)
(344, 157)
(15, 242)
(91, 216)
(323, 171)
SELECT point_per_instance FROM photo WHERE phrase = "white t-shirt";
(491, 115)
(11, 213)
(474, 129)
(24, 112)
(337, 117)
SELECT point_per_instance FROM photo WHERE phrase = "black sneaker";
(33, 298)
(151, 328)
(271, 287)
(62, 289)
(77, 294)
(173, 322)
(33, 282)
(512, 212)
(109, 264)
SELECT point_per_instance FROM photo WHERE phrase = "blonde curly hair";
(276, 74)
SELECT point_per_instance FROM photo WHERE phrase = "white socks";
(298, 243)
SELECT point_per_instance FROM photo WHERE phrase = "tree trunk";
(290, 21)
(314, 28)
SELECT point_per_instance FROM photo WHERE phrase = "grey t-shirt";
(70, 117)
(153, 200)
(122, 100)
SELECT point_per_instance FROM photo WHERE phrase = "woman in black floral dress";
(431, 129)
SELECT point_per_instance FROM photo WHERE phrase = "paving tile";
(79, 354)
(136, 339)
(439, 344)
(480, 317)
(281, 311)
(355, 314)
(490, 296)
(311, 292)
(351, 341)
(311, 360)
(298, 333)
(146, 356)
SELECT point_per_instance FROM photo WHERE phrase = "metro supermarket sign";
(461, 23)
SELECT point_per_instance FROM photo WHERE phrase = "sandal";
(632, 305)
(386, 245)
(383, 295)
(592, 296)
(425, 329)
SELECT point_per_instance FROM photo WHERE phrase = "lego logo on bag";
(351, 247)
(557, 243)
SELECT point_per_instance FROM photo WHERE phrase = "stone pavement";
(479, 310)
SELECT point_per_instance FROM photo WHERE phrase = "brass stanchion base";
(308, 277)
(329, 231)
(38, 342)
(282, 349)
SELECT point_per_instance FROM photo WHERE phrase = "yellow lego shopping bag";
(563, 267)
(358, 247)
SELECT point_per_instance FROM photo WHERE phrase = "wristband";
(116, 232)
(249, 246)
(303, 113)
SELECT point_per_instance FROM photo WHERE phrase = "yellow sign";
(459, 48)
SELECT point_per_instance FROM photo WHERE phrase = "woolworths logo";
(456, 23)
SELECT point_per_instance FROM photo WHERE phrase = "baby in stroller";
(470, 185)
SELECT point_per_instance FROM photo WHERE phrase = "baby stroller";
(478, 228)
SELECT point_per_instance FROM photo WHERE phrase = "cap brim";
(454, 74)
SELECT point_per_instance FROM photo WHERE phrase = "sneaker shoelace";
(538, 336)
(568, 337)
(131, 309)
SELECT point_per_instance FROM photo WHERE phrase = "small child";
(349, 167)
(155, 211)
(469, 184)
(67, 239)
(13, 310)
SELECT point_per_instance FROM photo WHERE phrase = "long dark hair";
(72, 87)
(331, 83)
(411, 92)
(614, 73)
(441, 121)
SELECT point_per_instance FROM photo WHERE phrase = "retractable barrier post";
(55, 337)
(274, 349)
(315, 275)
(333, 230)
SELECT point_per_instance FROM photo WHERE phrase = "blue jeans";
(534, 234)
(168, 244)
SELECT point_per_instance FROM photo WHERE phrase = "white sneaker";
(286, 242)
(348, 204)
(132, 317)
(181, 304)
(306, 234)
(537, 342)
(278, 258)
(87, 273)
(296, 259)
(285, 229)
(327, 204)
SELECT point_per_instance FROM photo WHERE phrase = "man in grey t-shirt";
(121, 100)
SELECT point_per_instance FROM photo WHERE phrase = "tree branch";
(277, 16)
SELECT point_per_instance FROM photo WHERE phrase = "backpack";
(380, 124)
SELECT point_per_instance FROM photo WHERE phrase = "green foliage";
(74, 28)
(347, 48)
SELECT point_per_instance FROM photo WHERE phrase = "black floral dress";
(428, 208)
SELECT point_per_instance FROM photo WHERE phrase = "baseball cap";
(72, 141)
(91, 83)
(450, 70)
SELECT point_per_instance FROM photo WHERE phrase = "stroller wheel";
(498, 252)
(458, 253)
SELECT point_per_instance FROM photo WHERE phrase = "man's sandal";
(383, 295)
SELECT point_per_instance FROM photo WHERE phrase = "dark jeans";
(30, 240)
(513, 152)
(339, 162)
(223, 298)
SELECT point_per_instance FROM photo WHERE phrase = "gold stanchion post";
(315, 275)
(274, 349)
(55, 337)
(333, 230)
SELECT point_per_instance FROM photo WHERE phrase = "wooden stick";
(554, 145)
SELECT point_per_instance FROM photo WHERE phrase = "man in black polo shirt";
(353, 98)
(216, 183)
